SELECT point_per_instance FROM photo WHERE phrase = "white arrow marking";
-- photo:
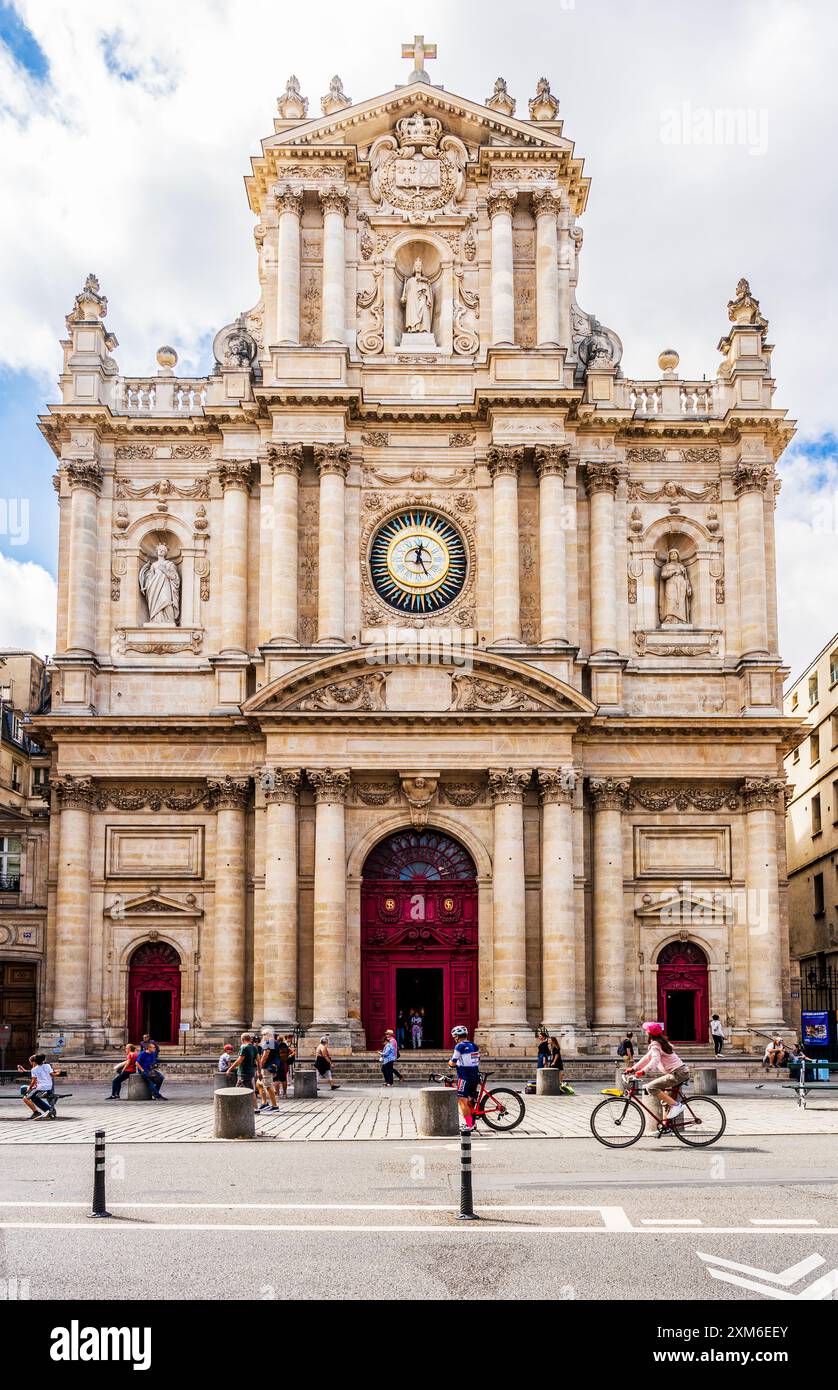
(822, 1288)
(786, 1277)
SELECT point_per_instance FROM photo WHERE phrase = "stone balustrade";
(694, 399)
(160, 395)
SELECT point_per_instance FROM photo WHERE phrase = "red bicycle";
(500, 1109)
(619, 1121)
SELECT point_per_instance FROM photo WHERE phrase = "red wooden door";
(154, 980)
(683, 992)
(418, 915)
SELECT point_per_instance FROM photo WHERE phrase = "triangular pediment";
(153, 904)
(683, 909)
(377, 681)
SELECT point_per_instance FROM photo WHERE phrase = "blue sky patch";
(21, 43)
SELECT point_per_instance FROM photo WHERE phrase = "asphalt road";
(318, 1221)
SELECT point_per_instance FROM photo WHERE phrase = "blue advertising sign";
(815, 1029)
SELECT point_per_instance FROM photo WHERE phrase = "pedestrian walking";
(416, 1028)
(390, 1034)
(387, 1058)
(281, 1055)
(323, 1063)
(126, 1068)
(246, 1064)
(717, 1033)
(40, 1093)
(267, 1070)
(626, 1049)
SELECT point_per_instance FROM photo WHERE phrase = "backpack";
(622, 1049)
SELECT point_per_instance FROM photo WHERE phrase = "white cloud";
(27, 606)
(807, 542)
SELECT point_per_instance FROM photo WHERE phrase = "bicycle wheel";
(702, 1122)
(617, 1123)
(502, 1110)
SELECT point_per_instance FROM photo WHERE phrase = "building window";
(814, 748)
(40, 781)
(795, 757)
(817, 825)
(833, 667)
(817, 884)
(834, 730)
(835, 803)
(813, 691)
(9, 863)
(16, 777)
(794, 700)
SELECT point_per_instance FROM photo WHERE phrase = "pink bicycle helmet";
(653, 1029)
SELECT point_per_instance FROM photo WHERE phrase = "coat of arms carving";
(419, 171)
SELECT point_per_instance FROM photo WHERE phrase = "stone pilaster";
(609, 799)
(749, 482)
(551, 462)
(558, 918)
(289, 203)
(235, 477)
(509, 1028)
(333, 201)
(547, 206)
(85, 480)
(504, 467)
(74, 800)
(285, 461)
(226, 1007)
(761, 797)
(332, 462)
(280, 949)
(601, 479)
(501, 206)
(329, 1005)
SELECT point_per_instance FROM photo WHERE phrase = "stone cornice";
(507, 785)
(329, 784)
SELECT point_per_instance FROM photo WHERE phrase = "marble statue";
(675, 591)
(418, 301)
(160, 583)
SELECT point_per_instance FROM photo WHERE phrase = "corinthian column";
(507, 787)
(749, 482)
(558, 917)
(551, 466)
(74, 798)
(547, 206)
(765, 957)
(280, 947)
(289, 202)
(332, 462)
(609, 799)
(85, 481)
(285, 463)
(235, 477)
(501, 206)
(330, 789)
(504, 466)
(227, 1004)
(601, 481)
(334, 203)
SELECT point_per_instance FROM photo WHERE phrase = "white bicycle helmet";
(459, 1031)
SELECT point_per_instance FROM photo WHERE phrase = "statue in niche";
(674, 598)
(160, 583)
(418, 301)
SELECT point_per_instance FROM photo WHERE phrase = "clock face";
(418, 561)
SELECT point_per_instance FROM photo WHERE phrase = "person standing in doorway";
(717, 1033)
(401, 1030)
(416, 1028)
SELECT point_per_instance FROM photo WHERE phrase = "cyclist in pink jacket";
(662, 1058)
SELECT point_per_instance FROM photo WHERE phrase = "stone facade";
(240, 715)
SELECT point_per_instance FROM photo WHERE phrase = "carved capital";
(229, 794)
(285, 458)
(508, 784)
(501, 200)
(551, 460)
(546, 202)
(762, 793)
(557, 785)
(73, 793)
(751, 477)
(289, 199)
(601, 476)
(333, 199)
(330, 784)
(332, 458)
(85, 474)
(280, 784)
(235, 473)
(505, 459)
(608, 794)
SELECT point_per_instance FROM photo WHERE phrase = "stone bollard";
(305, 1084)
(221, 1081)
(135, 1087)
(234, 1116)
(704, 1081)
(547, 1081)
(438, 1111)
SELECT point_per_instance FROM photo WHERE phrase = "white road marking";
(786, 1277)
(486, 1225)
(822, 1288)
(671, 1221)
(784, 1220)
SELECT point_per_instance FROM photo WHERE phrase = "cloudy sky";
(709, 133)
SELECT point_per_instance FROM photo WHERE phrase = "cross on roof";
(418, 51)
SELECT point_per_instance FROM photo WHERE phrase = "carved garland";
(662, 798)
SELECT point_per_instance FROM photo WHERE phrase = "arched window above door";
(419, 856)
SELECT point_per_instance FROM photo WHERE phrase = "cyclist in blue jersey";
(466, 1058)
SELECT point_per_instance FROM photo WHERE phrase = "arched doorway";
(154, 992)
(418, 936)
(683, 992)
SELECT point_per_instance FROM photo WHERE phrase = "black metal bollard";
(467, 1212)
(99, 1208)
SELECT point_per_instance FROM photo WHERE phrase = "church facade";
(415, 660)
